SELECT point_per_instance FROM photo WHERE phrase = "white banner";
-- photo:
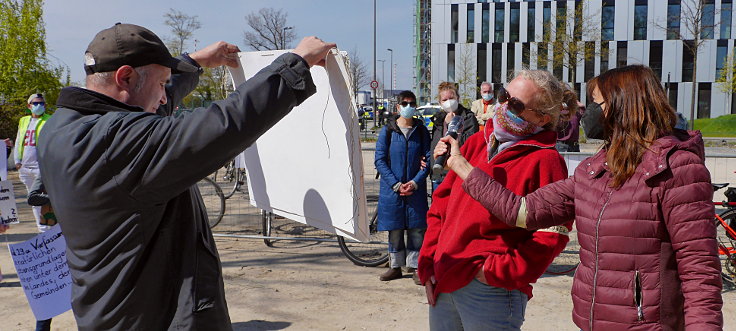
(309, 167)
(42, 269)
(8, 209)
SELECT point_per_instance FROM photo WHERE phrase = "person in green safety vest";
(25, 147)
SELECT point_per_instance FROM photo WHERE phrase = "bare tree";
(467, 76)
(357, 71)
(572, 41)
(695, 19)
(269, 30)
(182, 27)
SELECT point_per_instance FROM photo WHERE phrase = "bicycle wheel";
(726, 243)
(266, 220)
(369, 254)
(214, 201)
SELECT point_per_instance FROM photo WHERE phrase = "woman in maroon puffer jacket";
(642, 205)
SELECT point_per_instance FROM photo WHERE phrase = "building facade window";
(673, 19)
(655, 57)
(726, 10)
(499, 19)
(542, 56)
(514, 18)
(605, 55)
(486, 21)
(622, 54)
(608, 17)
(672, 94)
(640, 20)
(708, 20)
(704, 100)
(531, 21)
(470, 36)
(451, 63)
(557, 63)
(546, 19)
(589, 71)
(510, 60)
(496, 57)
(453, 24)
(561, 19)
(721, 54)
(687, 61)
(481, 63)
(525, 55)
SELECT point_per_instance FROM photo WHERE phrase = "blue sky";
(71, 25)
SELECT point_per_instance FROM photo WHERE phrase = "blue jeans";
(478, 306)
(44, 325)
(401, 254)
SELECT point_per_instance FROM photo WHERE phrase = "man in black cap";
(122, 177)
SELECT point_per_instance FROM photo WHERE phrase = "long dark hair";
(637, 113)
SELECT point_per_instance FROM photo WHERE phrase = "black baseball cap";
(129, 44)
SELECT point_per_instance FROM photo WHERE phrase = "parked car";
(426, 112)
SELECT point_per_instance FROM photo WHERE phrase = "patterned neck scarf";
(508, 129)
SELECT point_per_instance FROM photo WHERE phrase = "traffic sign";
(374, 84)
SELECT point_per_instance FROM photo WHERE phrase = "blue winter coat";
(400, 162)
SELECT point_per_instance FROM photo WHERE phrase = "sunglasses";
(406, 103)
(515, 105)
(38, 103)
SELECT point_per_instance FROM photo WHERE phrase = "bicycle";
(372, 253)
(726, 239)
(230, 178)
(213, 199)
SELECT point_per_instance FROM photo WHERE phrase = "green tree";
(24, 67)
(727, 77)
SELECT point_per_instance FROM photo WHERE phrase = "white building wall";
(637, 51)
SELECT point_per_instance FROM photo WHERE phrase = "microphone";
(455, 127)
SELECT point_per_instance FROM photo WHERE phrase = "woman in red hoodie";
(642, 208)
(477, 270)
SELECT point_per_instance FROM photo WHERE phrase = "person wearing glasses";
(26, 160)
(642, 204)
(402, 148)
(477, 270)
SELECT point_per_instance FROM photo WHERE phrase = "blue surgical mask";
(407, 112)
(487, 96)
(38, 110)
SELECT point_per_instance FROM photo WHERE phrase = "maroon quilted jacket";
(648, 258)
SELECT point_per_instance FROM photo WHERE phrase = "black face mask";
(592, 121)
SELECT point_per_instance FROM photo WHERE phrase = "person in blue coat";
(401, 152)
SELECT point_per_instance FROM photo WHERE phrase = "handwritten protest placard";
(8, 209)
(42, 269)
(3, 163)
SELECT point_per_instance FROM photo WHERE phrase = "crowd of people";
(142, 256)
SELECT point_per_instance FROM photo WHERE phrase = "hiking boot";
(391, 274)
(415, 277)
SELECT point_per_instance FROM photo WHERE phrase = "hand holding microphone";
(456, 160)
(453, 129)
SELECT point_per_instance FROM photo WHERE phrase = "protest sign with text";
(8, 208)
(43, 272)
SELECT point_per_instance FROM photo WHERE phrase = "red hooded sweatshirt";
(462, 236)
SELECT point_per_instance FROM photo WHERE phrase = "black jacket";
(122, 183)
(470, 127)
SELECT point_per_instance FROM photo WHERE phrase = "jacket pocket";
(638, 296)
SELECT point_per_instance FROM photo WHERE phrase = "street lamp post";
(383, 77)
(375, 106)
(283, 36)
(391, 83)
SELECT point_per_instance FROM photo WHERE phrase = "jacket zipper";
(638, 296)
(595, 274)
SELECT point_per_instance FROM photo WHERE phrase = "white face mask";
(450, 105)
